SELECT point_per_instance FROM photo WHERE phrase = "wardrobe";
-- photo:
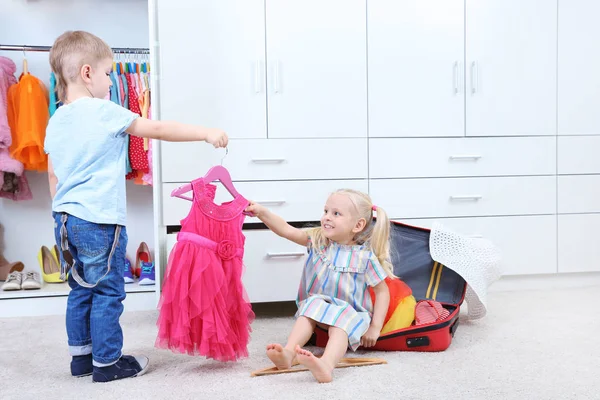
(480, 114)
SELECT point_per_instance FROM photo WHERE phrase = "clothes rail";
(118, 50)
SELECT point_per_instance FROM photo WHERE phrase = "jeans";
(93, 313)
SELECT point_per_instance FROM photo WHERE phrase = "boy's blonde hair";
(71, 51)
(376, 235)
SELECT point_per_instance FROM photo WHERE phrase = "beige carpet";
(532, 345)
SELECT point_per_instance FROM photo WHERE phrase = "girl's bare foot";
(320, 370)
(281, 357)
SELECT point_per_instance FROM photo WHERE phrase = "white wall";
(28, 225)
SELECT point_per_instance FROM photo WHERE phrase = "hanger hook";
(226, 152)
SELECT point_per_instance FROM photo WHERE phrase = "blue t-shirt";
(86, 142)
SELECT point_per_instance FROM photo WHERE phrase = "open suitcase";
(429, 280)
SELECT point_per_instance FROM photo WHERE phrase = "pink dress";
(204, 308)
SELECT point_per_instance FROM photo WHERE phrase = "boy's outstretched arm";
(172, 131)
(277, 224)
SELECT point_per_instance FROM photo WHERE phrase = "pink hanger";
(218, 172)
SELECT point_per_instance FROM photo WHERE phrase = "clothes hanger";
(25, 67)
(218, 172)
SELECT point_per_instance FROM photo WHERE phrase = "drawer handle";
(286, 254)
(467, 198)
(272, 202)
(465, 157)
(268, 160)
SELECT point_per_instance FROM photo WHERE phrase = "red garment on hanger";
(137, 155)
(204, 308)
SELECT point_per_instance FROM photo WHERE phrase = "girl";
(86, 142)
(346, 254)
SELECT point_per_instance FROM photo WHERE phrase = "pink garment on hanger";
(204, 309)
(8, 165)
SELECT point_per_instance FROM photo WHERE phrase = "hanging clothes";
(204, 309)
(28, 117)
(13, 183)
(54, 102)
(137, 155)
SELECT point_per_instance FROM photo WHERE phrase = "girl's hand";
(255, 209)
(217, 137)
(370, 337)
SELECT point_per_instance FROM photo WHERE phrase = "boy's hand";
(255, 209)
(370, 337)
(217, 137)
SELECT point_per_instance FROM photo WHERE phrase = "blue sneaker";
(82, 366)
(147, 277)
(126, 367)
(127, 275)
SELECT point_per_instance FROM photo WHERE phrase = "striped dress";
(334, 288)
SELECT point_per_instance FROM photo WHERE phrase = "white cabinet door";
(578, 249)
(317, 68)
(511, 67)
(416, 68)
(527, 243)
(212, 64)
(578, 66)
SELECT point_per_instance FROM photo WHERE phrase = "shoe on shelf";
(30, 280)
(8, 267)
(13, 281)
(126, 367)
(49, 266)
(142, 255)
(127, 274)
(148, 276)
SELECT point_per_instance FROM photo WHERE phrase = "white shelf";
(62, 289)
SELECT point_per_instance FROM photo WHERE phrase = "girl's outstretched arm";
(277, 224)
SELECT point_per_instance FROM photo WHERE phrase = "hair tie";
(374, 208)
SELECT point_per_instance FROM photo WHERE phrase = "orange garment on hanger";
(28, 117)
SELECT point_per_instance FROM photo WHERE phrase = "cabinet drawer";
(527, 243)
(578, 194)
(273, 266)
(578, 249)
(292, 200)
(578, 155)
(465, 197)
(440, 157)
(268, 159)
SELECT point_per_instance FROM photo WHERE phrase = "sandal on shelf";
(49, 266)
(142, 255)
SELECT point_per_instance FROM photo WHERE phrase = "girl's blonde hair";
(376, 235)
(71, 51)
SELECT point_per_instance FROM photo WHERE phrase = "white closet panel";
(292, 200)
(465, 197)
(511, 67)
(439, 157)
(578, 194)
(273, 266)
(317, 68)
(523, 241)
(269, 159)
(416, 68)
(578, 66)
(578, 155)
(578, 249)
(212, 64)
